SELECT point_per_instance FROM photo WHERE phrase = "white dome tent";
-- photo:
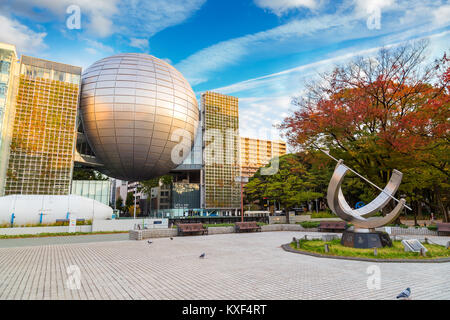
(30, 209)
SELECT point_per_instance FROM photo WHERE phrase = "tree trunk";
(417, 206)
(444, 210)
(287, 214)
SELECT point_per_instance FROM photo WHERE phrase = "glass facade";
(44, 130)
(221, 151)
(256, 153)
(185, 196)
(8, 69)
(97, 190)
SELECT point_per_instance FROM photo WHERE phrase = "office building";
(256, 153)
(8, 70)
(43, 137)
(221, 163)
(94, 189)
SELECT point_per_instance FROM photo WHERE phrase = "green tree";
(87, 174)
(383, 113)
(147, 185)
(291, 185)
(129, 202)
(119, 204)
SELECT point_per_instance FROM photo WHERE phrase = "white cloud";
(294, 37)
(267, 99)
(100, 46)
(25, 39)
(279, 7)
(167, 60)
(96, 48)
(442, 15)
(199, 66)
(103, 18)
(139, 43)
(251, 122)
(145, 18)
(366, 6)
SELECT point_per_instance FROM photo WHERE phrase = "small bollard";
(294, 239)
(306, 237)
(425, 240)
(327, 249)
(448, 245)
(375, 251)
(422, 252)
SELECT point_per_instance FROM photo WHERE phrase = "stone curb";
(287, 247)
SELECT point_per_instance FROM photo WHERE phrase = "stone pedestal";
(366, 240)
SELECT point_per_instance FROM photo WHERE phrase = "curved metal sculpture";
(360, 218)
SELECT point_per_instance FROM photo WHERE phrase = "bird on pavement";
(405, 294)
(202, 255)
(149, 242)
(171, 238)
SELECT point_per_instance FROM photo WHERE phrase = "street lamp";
(242, 180)
(134, 209)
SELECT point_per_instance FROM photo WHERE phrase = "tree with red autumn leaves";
(382, 113)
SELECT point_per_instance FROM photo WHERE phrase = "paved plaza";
(237, 266)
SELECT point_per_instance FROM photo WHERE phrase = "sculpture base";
(366, 240)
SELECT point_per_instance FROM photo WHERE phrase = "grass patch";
(212, 225)
(309, 224)
(395, 252)
(323, 215)
(57, 234)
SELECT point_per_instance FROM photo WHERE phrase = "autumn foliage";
(380, 113)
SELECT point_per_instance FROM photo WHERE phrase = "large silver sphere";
(131, 104)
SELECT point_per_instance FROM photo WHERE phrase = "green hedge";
(309, 224)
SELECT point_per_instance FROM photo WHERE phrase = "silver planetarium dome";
(131, 107)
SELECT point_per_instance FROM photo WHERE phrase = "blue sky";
(261, 51)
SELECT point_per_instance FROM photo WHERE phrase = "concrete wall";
(127, 224)
(152, 233)
(220, 230)
(295, 219)
(36, 230)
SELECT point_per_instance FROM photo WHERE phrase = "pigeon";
(171, 238)
(404, 294)
(149, 242)
(202, 255)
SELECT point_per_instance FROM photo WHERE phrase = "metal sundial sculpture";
(364, 235)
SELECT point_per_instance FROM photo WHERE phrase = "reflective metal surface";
(130, 106)
(360, 217)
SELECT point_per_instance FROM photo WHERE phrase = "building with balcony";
(257, 153)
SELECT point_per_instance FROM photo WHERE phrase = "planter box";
(220, 230)
(152, 233)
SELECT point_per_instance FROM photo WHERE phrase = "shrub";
(322, 214)
(432, 227)
(309, 224)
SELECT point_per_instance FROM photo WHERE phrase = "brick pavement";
(237, 266)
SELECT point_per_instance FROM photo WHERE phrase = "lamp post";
(134, 209)
(242, 180)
